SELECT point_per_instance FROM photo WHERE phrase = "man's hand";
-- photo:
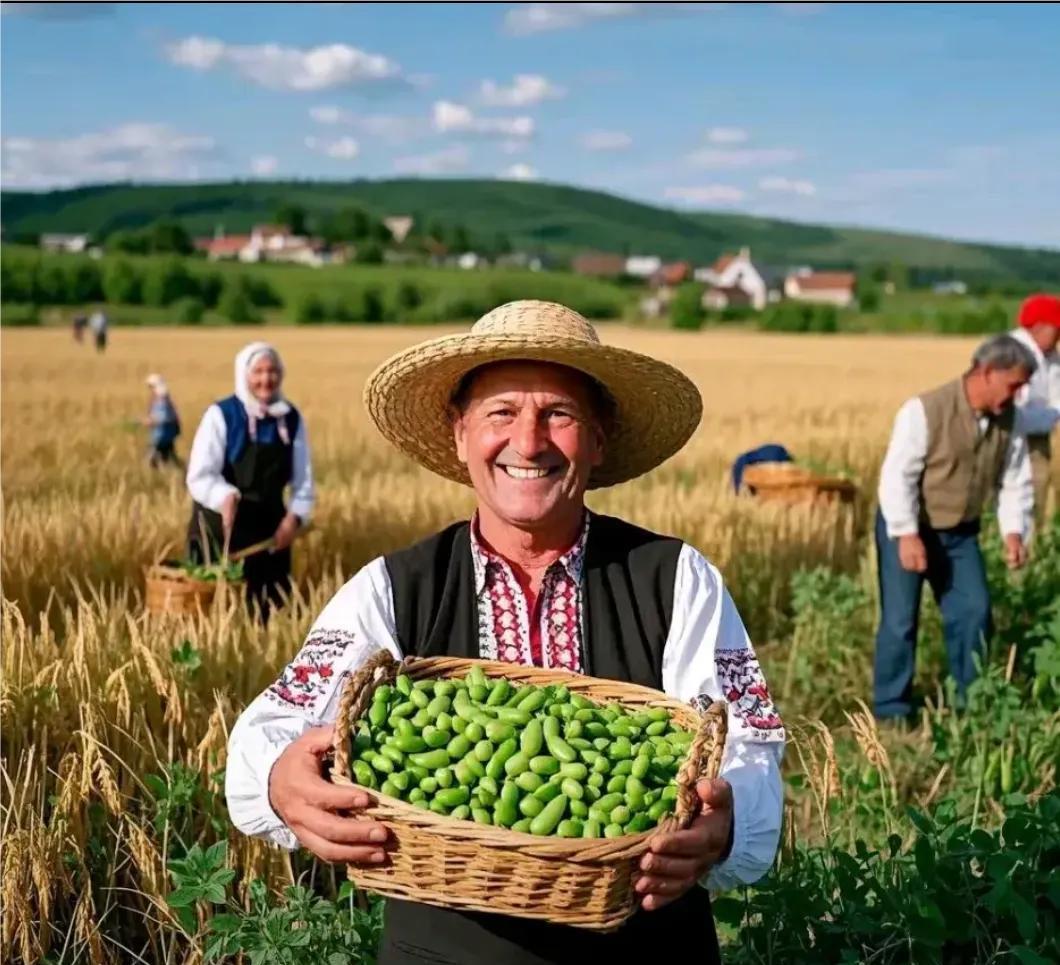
(285, 532)
(313, 808)
(1015, 551)
(912, 554)
(228, 513)
(678, 860)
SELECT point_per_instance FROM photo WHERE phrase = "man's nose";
(529, 437)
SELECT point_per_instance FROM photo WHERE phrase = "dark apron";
(260, 474)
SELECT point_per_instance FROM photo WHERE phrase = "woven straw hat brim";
(657, 406)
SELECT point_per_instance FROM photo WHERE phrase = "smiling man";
(531, 410)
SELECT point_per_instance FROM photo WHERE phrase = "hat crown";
(529, 317)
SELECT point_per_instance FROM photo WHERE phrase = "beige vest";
(963, 468)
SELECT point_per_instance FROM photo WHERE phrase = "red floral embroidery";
(306, 678)
(740, 679)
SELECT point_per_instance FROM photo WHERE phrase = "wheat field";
(98, 697)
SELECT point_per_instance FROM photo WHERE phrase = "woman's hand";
(285, 532)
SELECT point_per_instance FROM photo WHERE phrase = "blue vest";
(237, 428)
(771, 452)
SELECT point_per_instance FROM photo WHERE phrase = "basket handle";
(703, 761)
(379, 668)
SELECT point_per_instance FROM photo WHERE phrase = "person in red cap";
(1038, 403)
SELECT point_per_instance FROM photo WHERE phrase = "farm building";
(738, 280)
(826, 287)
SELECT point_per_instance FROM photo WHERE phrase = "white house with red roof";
(837, 288)
(736, 279)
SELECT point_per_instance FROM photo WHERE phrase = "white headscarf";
(158, 385)
(256, 409)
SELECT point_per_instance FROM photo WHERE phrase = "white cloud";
(387, 127)
(263, 165)
(342, 149)
(288, 68)
(532, 18)
(128, 152)
(446, 161)
(706, 194)
(727, 135)
(714, 158)
(605, 140)
(788, 186)
(520, 172)
(525, 90)
(450, 118)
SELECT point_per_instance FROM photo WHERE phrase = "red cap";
(1040, 310)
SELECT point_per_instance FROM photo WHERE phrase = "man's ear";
(456, 420)
(599, 444)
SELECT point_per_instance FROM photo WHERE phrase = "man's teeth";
(517, 472)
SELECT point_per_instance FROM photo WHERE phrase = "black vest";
(627, 601)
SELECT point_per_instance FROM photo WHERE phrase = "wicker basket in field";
(170, 589)
(787, 482)
(439, 860)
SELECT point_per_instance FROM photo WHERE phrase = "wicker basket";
(787, 482)
(169, 589)
(463, 865)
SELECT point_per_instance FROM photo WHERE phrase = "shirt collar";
(570, 562)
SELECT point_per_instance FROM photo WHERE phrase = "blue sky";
(943, 119)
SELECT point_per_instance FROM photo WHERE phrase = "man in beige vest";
(952, 450)
(1038, 403)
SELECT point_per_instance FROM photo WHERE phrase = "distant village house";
(67, 244)
(399, 227)
(737, 280)
(598, 265)
(642, 266)
(823, 287)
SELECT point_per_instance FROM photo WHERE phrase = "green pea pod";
(456, 724)
(510, 793)
(420, 698)
(478, 692)
(529, 781)
(405, 709)
(624, 767)
(617, 784)
(481, 816)
(591, 829)
(556, 745)
(495, 768)
(594, 787)
(420, 719)
(659, 809)
(487, 798)
(474, 765)
(580, 744)
(458, 746)
(650, 797)
(378, 713)
(522, 826)
(533, 700)
(429, 785)
(437, 807)
(418, 773)
(579, 809)
(550, 816)
(439, 705)
(669, 793)
(638, 823)
(602, 744)
(383, 764)
(426, 684)
(435, 738)
(513, 715)
(417, 795)
(444, 688)
(517, 694)
(609, 802)
(547, 792)
(461, 812)
(532, 739)
(571, 828)
(445, 777)
(602, 765)
(498, 731)
(641, 766)
(572, 789)
(516, 764)
(505, 813)
(544, 765)
(410, 744)
(656, 728)
(382, 693)
(401, 780)
(635, 791)
(439, 757)
(581, 702)
(573, 728)
(613, 831)
(403, 684)
(577, 770)
(584, 716)
(474, 731)
(597, 731)
(483, 750)
(453, 797)
(389, 789)
(531, 807)
(621, 749)
(364, 775)
(621, 815)
(498, 693)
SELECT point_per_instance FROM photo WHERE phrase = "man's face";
(529, 438)
(263, 378)
(1001, 385)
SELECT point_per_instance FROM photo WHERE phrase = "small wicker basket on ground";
(438, 860)
(170, 589)
(787, 482)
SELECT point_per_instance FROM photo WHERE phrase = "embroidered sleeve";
(312, 677)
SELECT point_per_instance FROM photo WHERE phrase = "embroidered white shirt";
(707, 656)
(1038, 402)
(205, 464)
(903, 467)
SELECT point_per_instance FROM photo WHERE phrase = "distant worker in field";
(1038, 402)
(952, 449)
(248, 448)
(99, 323)
(164, 423)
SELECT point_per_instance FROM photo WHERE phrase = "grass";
(114, 724)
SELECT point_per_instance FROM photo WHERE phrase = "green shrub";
(236, 304)
(188, 310)
(369, 253)
(122, 283)
(791, 316)
(407, 298)
(686, 309)
(164, 283)
(310, 309)
(19, 314)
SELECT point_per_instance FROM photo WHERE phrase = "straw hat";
(657, 407)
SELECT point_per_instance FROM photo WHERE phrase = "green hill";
(541, 216)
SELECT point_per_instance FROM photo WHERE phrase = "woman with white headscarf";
(248, 448)
(163, 421)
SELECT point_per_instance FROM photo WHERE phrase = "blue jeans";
(957, 577)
